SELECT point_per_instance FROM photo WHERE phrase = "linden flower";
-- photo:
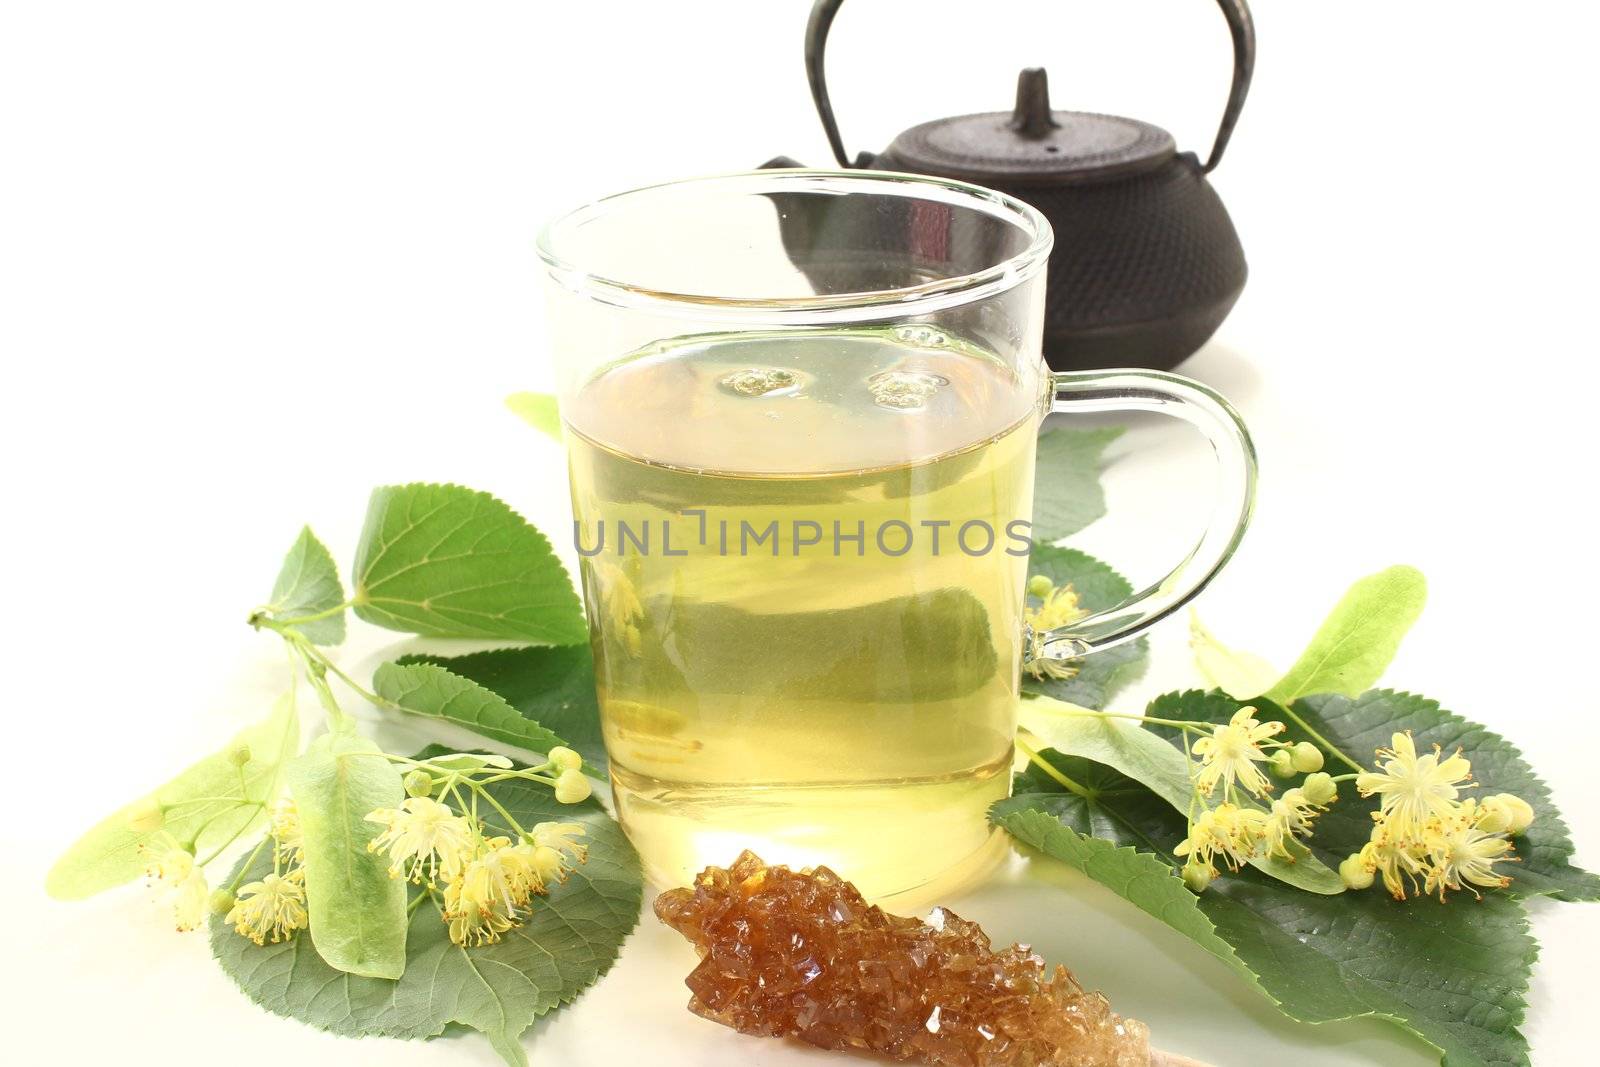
(286, 835)
(1230, 753)
(620, 606)
(1058, 607)
(1229, 831)
(503, 875)
(1413, 789)
(1292, 815)
(274, 907)
(172, 865)
(1399, 861)
(1462, 854)
(474, 915)
(424, 838)
(562, 837)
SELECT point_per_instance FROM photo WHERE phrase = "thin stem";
(1050, 770)
(416, 902)
(301, 620)
(244, 867)
(1329, 746)
(1344, 778)
(255, 806)
(511, 820)
(1176, 723)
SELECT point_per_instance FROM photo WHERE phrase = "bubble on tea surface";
(905, 390)
(761, 381)
(922, 335)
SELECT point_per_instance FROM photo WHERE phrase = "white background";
(256, 258)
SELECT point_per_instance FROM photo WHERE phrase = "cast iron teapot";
(1146, 262)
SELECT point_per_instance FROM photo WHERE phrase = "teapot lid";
(1032, 145)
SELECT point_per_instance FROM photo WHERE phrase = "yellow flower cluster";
(1424, 837)
(171, 865)
(1058, 606)
(275, 907)
(486, 883)
(1234, 756)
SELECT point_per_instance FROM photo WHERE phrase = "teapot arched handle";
(1241, 27)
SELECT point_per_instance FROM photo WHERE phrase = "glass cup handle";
(1214, 417)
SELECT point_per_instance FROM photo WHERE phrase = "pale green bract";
(1359, 638)
(357, 911)
(1240, 674)
(538, 410)
(430, 690)
(204, 807)
(444, 561)
(569, 939)
(1155, 764)
(308, 585)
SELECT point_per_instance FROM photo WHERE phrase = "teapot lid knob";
(1032, 117)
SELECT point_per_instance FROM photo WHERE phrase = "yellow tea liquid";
(805, 642)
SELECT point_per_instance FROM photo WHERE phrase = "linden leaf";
(538, 410)
(1148, 759)
(1099, 588)
(1359, 727)
(1067, 495)
(554, 686)
(1359, 638)
(430, 690)
(1454, 974)
(358, 913)
(571, 937)
(308, 584)
(205, 806)
(444, 561)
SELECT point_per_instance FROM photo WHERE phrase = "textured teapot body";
(1146, 263)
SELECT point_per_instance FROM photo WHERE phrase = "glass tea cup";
(800, 410)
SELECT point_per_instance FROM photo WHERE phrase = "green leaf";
(537, 410)
(430, 690)
(1360, 636)
(553, 686)
(570, 939)
(1454, 974)
(1099, 677)
(308, 584)
(1148, 759)
(444, 561)
(1241, 674)
(206, 806)
(1359, 727)
(1066, 488)
(357, 912)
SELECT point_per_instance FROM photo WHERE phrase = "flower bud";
(1198, 877)
(565, 758)
(239, 755)
(1039, 586)
(1512, 814)
(1307, 757)
(418, 783)
(221, 901)
(1320, 789)
(1281, 764)
(1354, 873)
(146, 816)
(572, 786)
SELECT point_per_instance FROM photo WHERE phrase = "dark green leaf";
(1099, 677)
(570, 939)
(430, 690)
(358, 913)
(552, 686)
(444, 561)
(1454, 974)
(205, 807)
(308, 584)
(1066, 488)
